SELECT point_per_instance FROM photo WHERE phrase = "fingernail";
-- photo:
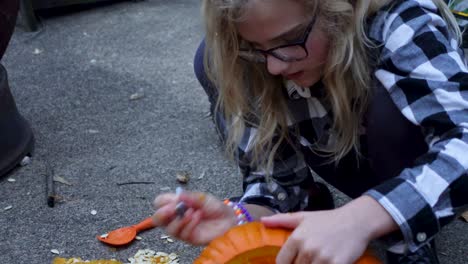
(202, 197)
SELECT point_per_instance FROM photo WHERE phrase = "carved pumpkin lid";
(252, 243)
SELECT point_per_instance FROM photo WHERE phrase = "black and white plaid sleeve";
(425, 73)
(286, 191)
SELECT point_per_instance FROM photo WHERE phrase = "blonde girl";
(371, 95)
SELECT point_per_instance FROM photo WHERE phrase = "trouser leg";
(16, 138)
(8, 14)
(202, 77)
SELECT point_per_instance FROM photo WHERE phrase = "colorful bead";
(240, 211)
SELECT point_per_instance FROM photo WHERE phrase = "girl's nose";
(275, 66)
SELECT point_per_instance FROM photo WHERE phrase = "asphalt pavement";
(110, 93)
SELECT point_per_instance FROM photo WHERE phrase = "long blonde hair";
(250, 96)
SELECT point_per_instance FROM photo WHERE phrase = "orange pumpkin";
(253, 243)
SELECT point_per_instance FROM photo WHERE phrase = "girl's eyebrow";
(290, 33)
(286, 35)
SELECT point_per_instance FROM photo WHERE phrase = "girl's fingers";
(187, 231)
(288, 253)
(177, 224)
(164, 214)
(210, 205)
(195, 200)
(289, 220)
(305, 257)
(164, 199)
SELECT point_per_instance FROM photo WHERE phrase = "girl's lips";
(293, 76)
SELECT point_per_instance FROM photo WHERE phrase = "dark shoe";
(320, 198)
(424, 255)
(16, 137)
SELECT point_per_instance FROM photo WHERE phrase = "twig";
(50, 185)
(135, 182)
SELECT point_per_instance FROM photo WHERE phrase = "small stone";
(138, 238)
(11, 180)
(104, 235)
(93, 61)
(170, 240)
(7, 208)
(165, 188)
(93, 212)
(164, 237)
(25, 161)
(37, 51)
(55, 251)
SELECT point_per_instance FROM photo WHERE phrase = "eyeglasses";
(288, 53)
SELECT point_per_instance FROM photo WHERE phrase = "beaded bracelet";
(241, 212)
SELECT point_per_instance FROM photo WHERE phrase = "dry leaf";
(202, 175)
(183, 177)
(92, 131)
(136, 96)
(465, 216)
(62, 180)
(58, 198)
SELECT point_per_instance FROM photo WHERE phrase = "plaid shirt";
(425, 73)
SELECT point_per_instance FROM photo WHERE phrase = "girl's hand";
(335, 236)
(206, 217)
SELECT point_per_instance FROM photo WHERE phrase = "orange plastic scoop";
(125, 235)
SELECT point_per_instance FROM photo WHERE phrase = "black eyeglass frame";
(301, 43)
